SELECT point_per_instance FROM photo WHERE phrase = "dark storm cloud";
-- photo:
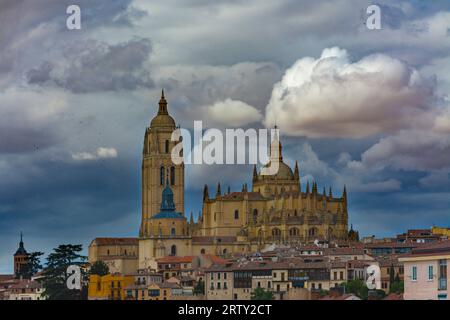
(81, 94)
(92, 65)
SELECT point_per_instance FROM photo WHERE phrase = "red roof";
(174, 259)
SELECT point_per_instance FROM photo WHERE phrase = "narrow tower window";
(172, 176)
(167, 146)
(161, 174)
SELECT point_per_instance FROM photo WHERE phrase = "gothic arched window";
(172, 176)
(161, 175)
(173, 250)
(276, 232)
(255, 215)
(236, 214)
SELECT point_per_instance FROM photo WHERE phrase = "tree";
(99, 268)
(357, 287)
(32, 266)
(396, 287)
(200, 288)
(55, 275)
(261, 294)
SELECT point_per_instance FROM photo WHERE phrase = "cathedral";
(274, 210)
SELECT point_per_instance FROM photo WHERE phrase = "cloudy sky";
(365, 108)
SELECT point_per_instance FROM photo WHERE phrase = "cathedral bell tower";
(158, 167)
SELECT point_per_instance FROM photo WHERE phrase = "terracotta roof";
(344, 251)
(6, 277)
(215, 259)
(392, 244)
(175, 259)
(116, 241)
(441, 247)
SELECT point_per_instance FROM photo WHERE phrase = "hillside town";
(413, 265)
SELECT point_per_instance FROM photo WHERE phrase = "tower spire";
(205, 193)
(219, 192)
(276, 143)
(162, 104)
(296, 171)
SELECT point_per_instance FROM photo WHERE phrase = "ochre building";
(277, 208)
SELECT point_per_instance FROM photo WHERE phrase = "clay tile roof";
(174, 259)
(6, 277)
(432, 248)
(215, 259)
(116, 241)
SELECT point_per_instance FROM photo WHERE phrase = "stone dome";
(162, 120)
(284, 173)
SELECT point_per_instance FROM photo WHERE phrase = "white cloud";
(231, 113)
(101, 153)
(334, 97)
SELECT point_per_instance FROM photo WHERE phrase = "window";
(172, 231)
(225, 285)
(236, 214)
(218, 276)
(161, 176)
(212, 276)
(255, 215)
(167, 146)
(202, 251)
(212, 286)
(172, 176)
(173, 250)
(341, 275)
(442, 274)
(414, 273)
(224, 276)
(430, 272)
(259, 284)
(335, 275)
(269, 284)
(276, 233)
(218, 285)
